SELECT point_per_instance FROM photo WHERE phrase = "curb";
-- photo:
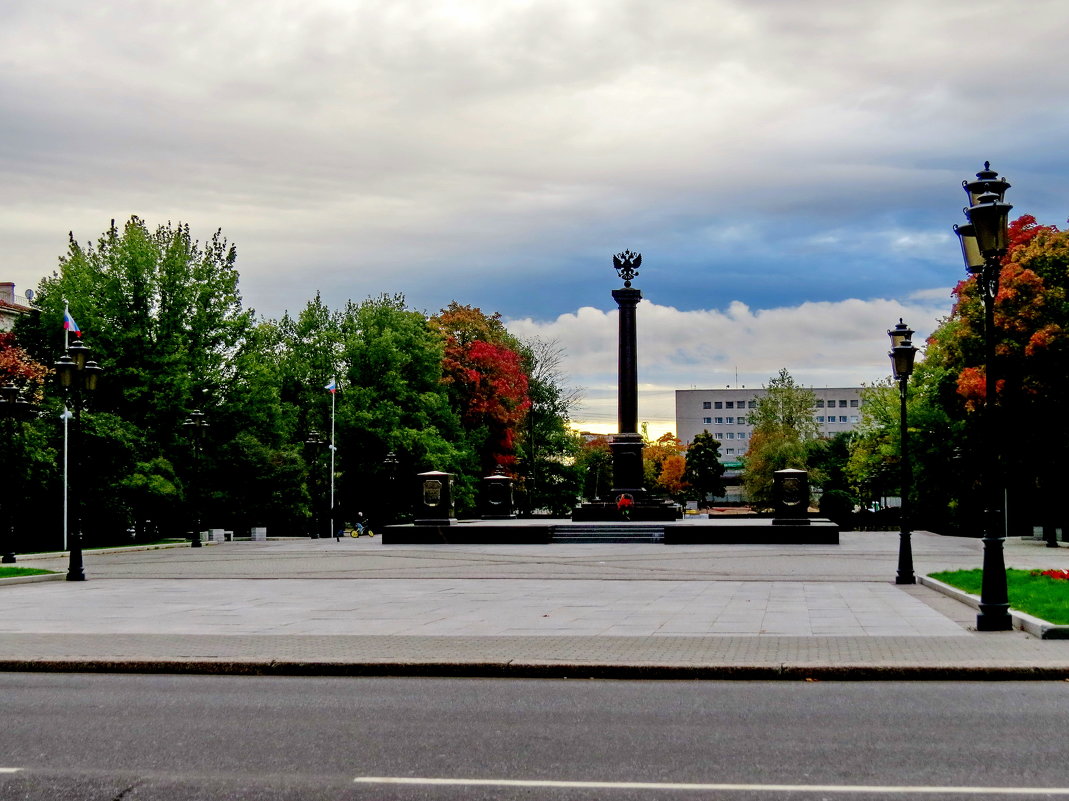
(1022, 621)
(32, 579)
(117, 549)
(513, 670)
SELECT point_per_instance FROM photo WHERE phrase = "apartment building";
(12, 306)
(724, 413)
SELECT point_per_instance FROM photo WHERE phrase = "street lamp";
(315, 444)
(78, 376)
(390, 463)
(983, 244)
(902, 354)
(195, 426)
(12, 408)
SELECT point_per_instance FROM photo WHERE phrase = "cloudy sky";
(789, 169)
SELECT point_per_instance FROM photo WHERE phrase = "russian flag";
(332, 386)
(69, 324)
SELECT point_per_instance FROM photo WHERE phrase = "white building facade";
(725, 413)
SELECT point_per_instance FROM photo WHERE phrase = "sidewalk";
(359, 607)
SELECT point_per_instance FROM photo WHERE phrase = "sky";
(790, 171)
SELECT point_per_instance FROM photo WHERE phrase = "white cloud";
(820, 344)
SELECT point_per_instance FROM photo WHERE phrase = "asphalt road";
(184, 737)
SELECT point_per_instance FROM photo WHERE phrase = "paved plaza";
(327, 606)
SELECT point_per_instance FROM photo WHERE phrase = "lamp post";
(78, 376)
(315, 444)
(902, 354)
(195, 426)
(983, 244)
(13, 408)
(390, 463)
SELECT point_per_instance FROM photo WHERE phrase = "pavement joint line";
(709, 787)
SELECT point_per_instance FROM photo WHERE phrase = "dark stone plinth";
(489, 532)
(434, 498)
(607, 511)
(790, 497)
(754, 531)
(496, 497)
(627, 473)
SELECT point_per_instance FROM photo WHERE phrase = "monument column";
(627, 444)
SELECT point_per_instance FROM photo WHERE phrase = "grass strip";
(9, 572)
(1041, 596)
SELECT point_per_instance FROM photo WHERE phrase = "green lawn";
(8, 572)
(1044, 597)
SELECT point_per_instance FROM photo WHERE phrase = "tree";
(392, 398)
(663, 464)
(163, 316)
(594, 462)
(704, 471)
(783, 425)
(484, 371)
(1032, 344)
(550, 477)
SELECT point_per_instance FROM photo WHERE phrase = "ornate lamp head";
(627, 264)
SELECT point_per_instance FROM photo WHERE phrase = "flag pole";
(333, 451)
(66, 419)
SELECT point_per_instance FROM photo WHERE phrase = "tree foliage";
(784, 427)
(704, 472)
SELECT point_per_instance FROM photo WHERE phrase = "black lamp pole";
(902, 355)
(12, 408)
(195, 425)
(983, 244)
(390, 462)
(78, 376)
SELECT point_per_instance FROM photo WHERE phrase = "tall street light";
(78, 377)
(902, 354)
(13, 408)
(984, 240)
(195, 426)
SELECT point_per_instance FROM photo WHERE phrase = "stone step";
(593, 532)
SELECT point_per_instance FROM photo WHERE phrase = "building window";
(741, 420)
(752, 404)
(731, 435)
(742, 435)
(707, 420)
(853, 418)
(707, 404)
(730, 451)
(729, 404)
(729, 420)
(842, 418)
(718, 405)
(842, 404)
(853, 403)
(820, 418)
(820, 404)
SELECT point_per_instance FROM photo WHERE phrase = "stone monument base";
(641, 511)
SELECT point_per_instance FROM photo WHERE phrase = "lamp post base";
(994, 620)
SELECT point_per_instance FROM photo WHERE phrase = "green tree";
(550, 476)
(163, 316)
(783, 427)
(704, 472)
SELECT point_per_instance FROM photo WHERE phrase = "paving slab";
(361, 607)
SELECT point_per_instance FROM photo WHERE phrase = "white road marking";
(770, 788)
(10, 770)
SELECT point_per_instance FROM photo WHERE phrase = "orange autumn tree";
(1031, 354)
(664, 464)
(483, 368)
(17, 367)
